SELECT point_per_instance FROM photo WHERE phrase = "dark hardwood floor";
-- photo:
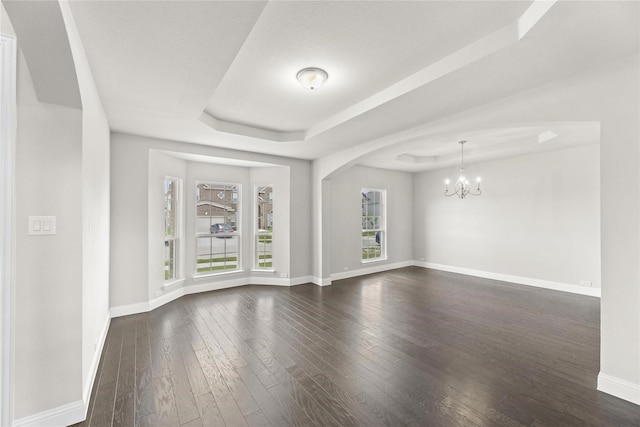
(411, 347)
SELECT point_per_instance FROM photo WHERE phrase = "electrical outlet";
(585, 283)
(158, 293)
(283, 275)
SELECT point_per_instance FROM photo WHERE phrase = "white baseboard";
(370, 269)
(320, 281)
(269, 281)
(166, 298)
(300, 280)
(214, 286)
(538, 283)
(125, 310)
(619, 388)
(64, 415)
(143, 307)
(93, 370)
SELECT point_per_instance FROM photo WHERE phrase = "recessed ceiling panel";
(364, 46)
(434, 152)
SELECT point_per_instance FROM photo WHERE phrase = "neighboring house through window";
(373, 224)
(217, 228)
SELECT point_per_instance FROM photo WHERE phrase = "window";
(373, 225)
(264, 228)
(171, 227)
(217, 228)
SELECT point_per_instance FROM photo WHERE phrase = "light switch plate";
(42, 225)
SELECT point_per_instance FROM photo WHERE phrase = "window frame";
(236, 235)
(264, 235)
(176, 237)
(381, 229)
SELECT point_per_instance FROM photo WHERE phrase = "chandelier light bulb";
(312, 78)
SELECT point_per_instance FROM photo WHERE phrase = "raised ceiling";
(223, 73)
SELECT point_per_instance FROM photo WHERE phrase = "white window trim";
(178, 235)
(256, 255)
(383, 246)
(206, 275)
(8, 58)
(174, 282)
(238, 232)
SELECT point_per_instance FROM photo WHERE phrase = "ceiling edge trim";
(250, 131)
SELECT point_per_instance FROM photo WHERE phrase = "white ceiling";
(223, 73)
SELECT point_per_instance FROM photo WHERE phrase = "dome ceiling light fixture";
(462, 187)
(312, 77)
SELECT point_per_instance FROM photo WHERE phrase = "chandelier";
(462, 188)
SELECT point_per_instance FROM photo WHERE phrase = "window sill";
(369, 261)
(263, 270)
(173, 282)
(222, 273)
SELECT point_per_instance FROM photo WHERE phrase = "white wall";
(8, 63)
(620, 228)
(61, 281)
(346, 211)
(538, 217)
(95, 211)
(48, 273)
(136, 205)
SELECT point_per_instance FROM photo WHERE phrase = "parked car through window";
(225, 229)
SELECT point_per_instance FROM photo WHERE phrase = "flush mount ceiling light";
(462, 187)
(312, 77)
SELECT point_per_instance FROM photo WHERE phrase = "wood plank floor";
(411, 346)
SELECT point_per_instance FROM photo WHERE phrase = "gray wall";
(128, 270)
(136, 208)
(48, 273)
(538, 217)
(346, 210)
